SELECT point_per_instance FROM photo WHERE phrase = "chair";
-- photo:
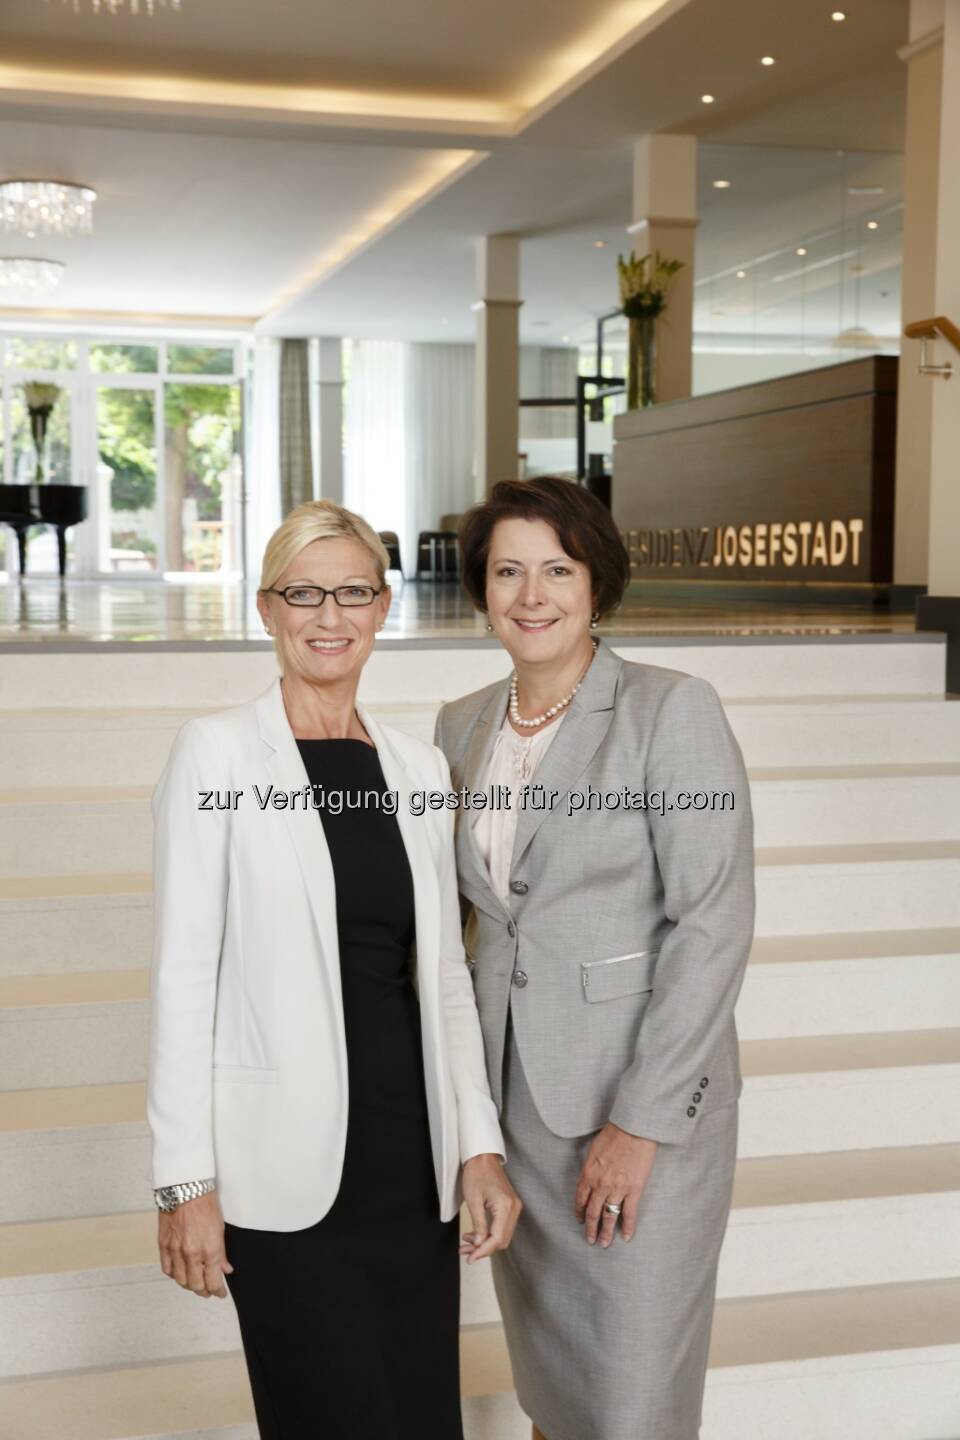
(437, 555)
(391, 541)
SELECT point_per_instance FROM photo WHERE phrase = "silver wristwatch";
(168, 1197)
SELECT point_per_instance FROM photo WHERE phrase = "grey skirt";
(611, 1344)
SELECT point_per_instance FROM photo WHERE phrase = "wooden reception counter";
(787, 480)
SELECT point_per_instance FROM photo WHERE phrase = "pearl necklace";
(554, 709)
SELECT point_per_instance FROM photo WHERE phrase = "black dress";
(350, 1327)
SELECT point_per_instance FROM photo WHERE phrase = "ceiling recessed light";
(707, 99)
(741, 274)
(767, 60)
(721, 184)
(838, 15)
(599, 244)
(801, 249)
(873, 224)
(565, 339)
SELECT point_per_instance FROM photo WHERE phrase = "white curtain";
(409, 436)
(263, 483)
(439, 433)
(375, 472)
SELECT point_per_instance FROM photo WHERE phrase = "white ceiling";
(219, 202)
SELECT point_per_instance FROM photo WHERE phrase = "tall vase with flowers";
(644, 290)
(41, 400)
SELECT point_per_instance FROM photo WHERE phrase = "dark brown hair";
(583, 524)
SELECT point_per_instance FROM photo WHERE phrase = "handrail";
(938, 326)
(930, 329)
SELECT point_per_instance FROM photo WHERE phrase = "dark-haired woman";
(608, 930)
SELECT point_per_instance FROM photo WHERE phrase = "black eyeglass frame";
(324, 592)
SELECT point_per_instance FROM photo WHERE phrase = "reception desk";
(788, 480)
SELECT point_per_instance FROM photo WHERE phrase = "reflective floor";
(44, 609)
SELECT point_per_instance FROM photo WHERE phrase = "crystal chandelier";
(116, 7)
(23, 277)
(46, 207)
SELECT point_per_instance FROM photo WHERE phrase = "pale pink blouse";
(513, 764)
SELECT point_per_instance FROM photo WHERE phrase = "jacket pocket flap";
(619, 975)
(245, 1074)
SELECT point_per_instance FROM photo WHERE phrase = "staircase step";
(90, 1028)
(54, 923)
(128, 745)
(778, 1366)
(84, 1150)
(77, 1292)
(855, 804)
(104, 921)
(845, 729)
(836, 888)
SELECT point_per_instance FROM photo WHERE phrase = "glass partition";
(798, 256)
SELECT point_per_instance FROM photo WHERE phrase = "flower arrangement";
(41, 399)
(644, 289)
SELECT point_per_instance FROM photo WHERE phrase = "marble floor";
(43, 609)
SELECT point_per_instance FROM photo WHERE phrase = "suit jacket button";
(704, 1083)
(519, 887)
(519, 978)
(691, 1109)
(511, 929)
(697, 1096)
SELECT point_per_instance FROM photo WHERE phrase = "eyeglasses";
(345, 595)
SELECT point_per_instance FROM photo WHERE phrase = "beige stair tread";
(122, 883)
(85, 987)
(99, 986)
(213, 1391)
(808, 1324)
(875, 1050)
(75, 794)
(66, 1106)
(174, 1395)
(61, 1106)
(855, 945)
(932, 697)
(911, 850)
(878, 770)
(59, 887)
(47, 1247)
(846, 1175)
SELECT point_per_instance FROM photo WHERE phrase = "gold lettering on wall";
(773, 544)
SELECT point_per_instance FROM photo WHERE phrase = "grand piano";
(47, 504)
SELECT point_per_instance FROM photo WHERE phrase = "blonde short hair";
(318, 520)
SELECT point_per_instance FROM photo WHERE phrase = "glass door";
(129, 538)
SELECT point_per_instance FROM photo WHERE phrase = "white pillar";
(665, 219)
(939, 609)
(944, 553)
(923, 56)
(497, 371)
(329, 456)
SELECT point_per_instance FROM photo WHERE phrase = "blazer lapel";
(287, 772)
(472, 865)
(586, 723)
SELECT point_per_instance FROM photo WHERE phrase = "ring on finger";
(612, 1208)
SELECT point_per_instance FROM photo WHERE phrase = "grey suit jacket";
(623, 949)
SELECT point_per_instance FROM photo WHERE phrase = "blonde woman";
(317, 1093)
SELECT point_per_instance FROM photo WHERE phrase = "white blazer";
(247, 1075)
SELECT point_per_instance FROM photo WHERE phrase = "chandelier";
(22, 277)
(46, 207)
(116, 7)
